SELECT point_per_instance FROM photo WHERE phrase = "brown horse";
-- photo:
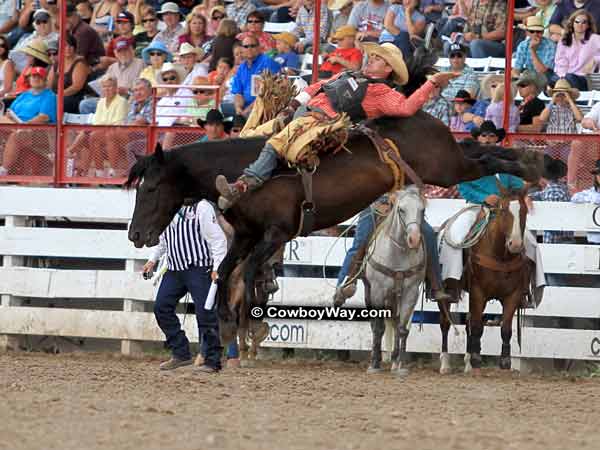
(496, 268)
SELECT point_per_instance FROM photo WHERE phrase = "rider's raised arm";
(393, 103)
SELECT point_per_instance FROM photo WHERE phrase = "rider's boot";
(230, 193)
(348, 288)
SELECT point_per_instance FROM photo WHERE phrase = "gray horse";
(395, 269)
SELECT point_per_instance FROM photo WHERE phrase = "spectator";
(565, 8)
(125, 25)
(171, 105)
(485, 28)
(126, 70)
(530, 84)
(403, 22)
(187, 56)
(215, 126)
(102, 145)
(170, 35)
(205, 7)
(554, 191)
(42, 32)
(104, 16)
(9, 19)
(591, 195)
(341, 10)
(345, 56)
(155, 55)
(544, 9)
(432, 10)
(286, 57)
(254, 28)
(150, 24)
(536, 53)
(37, 105)
(89, 44)
(217, 14)
(458, 17)
(437, 106)
(85, 11)
(561, 117)
(477, 115)
(140, 108)
(467, 80)
(228, 99)
(7, 68)
(195, 30)
(367, 17)
(238, 11)
(221, 75)
(305, 19)
(255, 62)
(37, 56)
(495, 111)
(579, 50)
(77, 71)
(237, 125)
(222, 45)
(462, 104)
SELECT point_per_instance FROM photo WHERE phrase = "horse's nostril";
(136, 236)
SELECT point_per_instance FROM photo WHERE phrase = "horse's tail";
(419, 65)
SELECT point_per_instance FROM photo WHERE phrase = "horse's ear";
(503, 191)
(159, 154)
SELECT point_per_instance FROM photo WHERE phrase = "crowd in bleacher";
(117, 50)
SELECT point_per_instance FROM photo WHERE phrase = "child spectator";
(462, 104)
(437, 106)
(477, 115)
(286, 57)
(495, 112)
(555, 191)
(345, 56)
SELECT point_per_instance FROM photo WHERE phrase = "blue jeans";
(481, 48)
(88, 105)
(402, 41)
(233, 351)
(174, 285)
(577, 81)
(264, 165)
(228, 109)
(364, 229)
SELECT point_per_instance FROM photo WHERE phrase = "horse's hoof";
(505, 362)
(400, 372)
(372, 370)
(476, 372)
(445, 370)
(445, 364)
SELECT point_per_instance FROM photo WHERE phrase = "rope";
(474, 234)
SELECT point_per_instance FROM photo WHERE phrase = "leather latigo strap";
(383, 148)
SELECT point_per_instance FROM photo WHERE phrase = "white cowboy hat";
(170, 67)
(186, 48)
(392, 55)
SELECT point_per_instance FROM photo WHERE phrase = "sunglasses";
(156, 53)
(52, 53)
(218, 17)
(255, 21)
(457, 55)
(167, 79)
(535, 31)
(580, 22)
(39, 22)
(148, 20)
(250, 45)
(236, 130)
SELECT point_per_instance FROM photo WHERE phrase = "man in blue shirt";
(255, 62)
(536, 53)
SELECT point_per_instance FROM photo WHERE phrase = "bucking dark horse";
(343, 185)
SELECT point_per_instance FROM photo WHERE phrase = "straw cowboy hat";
(529, 77)
(170, 67)
(38, 49)
(487, 82)
(563, 85)
(336, 5)
(344, 31)
(287, 37)
(217, 8)
(392, 55)
(186, 48)
(534, 23)
(498, 93)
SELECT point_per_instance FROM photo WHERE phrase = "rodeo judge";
(195, 245)
(367, 94)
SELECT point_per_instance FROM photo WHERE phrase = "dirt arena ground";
(96, 401)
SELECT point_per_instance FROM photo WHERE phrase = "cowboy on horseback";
(368, 94)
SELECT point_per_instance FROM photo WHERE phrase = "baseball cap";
(41, 14)
(457, 48)
(39, 71)
(122, 43)
(125, 16)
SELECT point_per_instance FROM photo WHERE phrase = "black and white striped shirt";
(193, 238)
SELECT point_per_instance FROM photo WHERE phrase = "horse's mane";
(419, 65)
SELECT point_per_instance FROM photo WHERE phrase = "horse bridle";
(404, 225)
